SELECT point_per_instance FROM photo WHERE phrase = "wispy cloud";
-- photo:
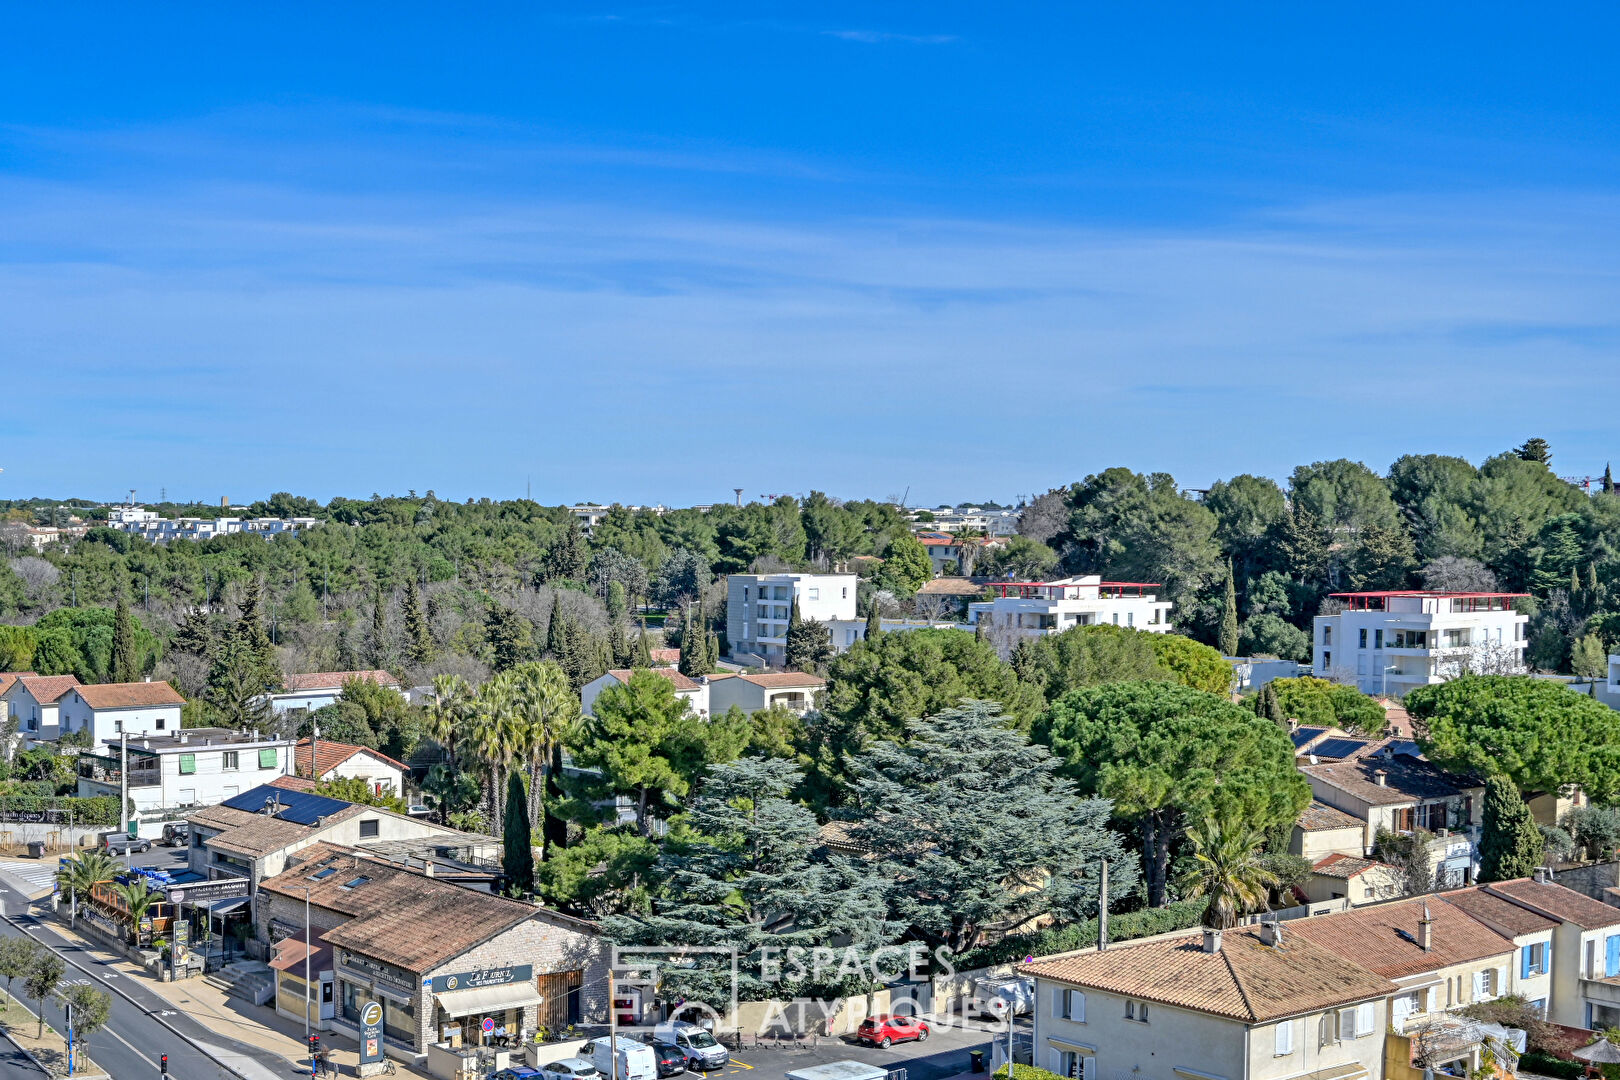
(880, 37)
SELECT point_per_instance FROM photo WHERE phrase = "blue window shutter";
(1611, 959)
(1524, 962)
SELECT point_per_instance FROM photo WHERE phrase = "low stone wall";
(1591, 879)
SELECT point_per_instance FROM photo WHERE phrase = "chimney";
(1543, 875)
(1212, 940)
(1380, 777)
(225, 502)
(147, 679)
(1313, 758)
(427, 866)
(1425, 934)
(1271, 933)
(1293, 726)
(183, 737)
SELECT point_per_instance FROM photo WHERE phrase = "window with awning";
(487, 999)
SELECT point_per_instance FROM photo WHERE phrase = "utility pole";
(309, 947)
(123, 794)
(613, 1031)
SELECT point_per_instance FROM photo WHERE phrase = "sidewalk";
(49, 1051)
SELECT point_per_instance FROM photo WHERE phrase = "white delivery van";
(703, 1051)
(1004, 996)
(621, 1059)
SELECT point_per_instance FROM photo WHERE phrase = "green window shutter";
(267, 758)
(188, 764)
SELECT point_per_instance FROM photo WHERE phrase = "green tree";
(1192, 663)
(695, 660)
(1169, 756)
(1270, 635)
(809, 642)
(543, 711)
(1535, 450)
(567, 558)
(17, 644)
(1328, 704)
(1344, 494)
(1588, 658)
(745, 873)
(355, 789)
(1227, 639)
(43, 979)
(644, 742)
(1534, 731)
(92, 1009)
(906, 565)
(1228, 867)
(980, 826)
(238, 683)
(126, 660)
(606, 871)
(876, 687)
(418, 636)
(17, 957)
(1267, 706)
(1247, 510)
(517, 845)
(1089, 655)
(76, 876)
(874, 619)
(1511, 844)
(511, 636)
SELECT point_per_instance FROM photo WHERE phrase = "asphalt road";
(130, 1046)
(943, 1054)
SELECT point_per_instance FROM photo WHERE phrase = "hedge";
(101, 810)
(1557, 1068)
(1083, 934)
(1027, 1072)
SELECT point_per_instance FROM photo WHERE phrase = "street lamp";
(308, 948)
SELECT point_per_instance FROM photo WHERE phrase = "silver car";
(570, 1069)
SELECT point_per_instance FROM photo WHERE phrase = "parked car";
(635, 1060)
(671, 1059)
(885, 1030)
(123, 845)
(517, 1072)
(703, 1051)
(569, 1069)
(176, 835)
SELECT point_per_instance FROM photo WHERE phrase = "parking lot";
(943, 1054)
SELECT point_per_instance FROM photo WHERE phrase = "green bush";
(101, 810)
(1557, 1068)
(1081, 935)
(1027, 1072)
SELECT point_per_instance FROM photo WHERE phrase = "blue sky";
(654, 253)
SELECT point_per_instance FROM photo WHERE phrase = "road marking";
(167, 1012)
(132, 1049)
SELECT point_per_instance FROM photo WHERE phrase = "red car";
(887, 1030)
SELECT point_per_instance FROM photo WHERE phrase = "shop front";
(363, 979)
(491, 1007)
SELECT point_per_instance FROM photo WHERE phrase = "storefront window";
(399, 1021)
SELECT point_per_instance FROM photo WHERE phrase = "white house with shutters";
(191, 768)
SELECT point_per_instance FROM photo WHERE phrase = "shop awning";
(487, 999)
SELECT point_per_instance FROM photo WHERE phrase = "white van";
(703, 1051)
(635, 1060)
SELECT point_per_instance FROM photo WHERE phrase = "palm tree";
(138, 898)
(448, 712)
(494, 738)
(79, 874)
(1229, 869)
(544, 709)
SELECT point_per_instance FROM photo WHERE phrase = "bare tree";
(39, 578)
(1453, 573)
(931, 607)
(1046, 516)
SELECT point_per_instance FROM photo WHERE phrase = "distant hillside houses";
(160, 530)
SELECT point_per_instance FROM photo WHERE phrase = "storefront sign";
(201, 891)
(354, 966)
(469, 980)
(371, 1032)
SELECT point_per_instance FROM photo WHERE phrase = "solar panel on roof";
(1306, 734)
(1339, 748)
(299, 807)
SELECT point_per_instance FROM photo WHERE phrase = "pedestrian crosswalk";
(34, 875)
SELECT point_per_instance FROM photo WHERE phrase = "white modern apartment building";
(1390, 642)
(1035, 608)
(160, 530)
(758, 606)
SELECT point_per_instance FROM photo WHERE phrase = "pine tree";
(194, 635)
(418, 636)
(619, 648)
(695, 659)
(874, 620)
(566, 559)
(1229, 616)
(249, 628)
(517, 854)
(1512, 846)
(125, 665)
(1536, 450)
(379, 630)
(511, 637)
(809, 643)
(1269, 706)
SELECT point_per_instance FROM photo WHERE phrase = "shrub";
(1557, 1068)
(1124, 927)
(1026, 1072)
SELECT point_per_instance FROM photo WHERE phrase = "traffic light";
(163, 1064)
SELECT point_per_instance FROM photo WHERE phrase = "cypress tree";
(517, 851)
(619, 651)
(1229, 617)
(1574, 580)
(1608, 480)
(1269, 706)
(874, 620)
(379, 630)
(643, 654)
(1591, 577)
(695, 647)
(556, 629)
(418, 637)
(125, 665)
(1512, 846)
(347, 658)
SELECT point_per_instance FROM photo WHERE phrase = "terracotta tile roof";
(681, 681)
(1503, 916)
(950, 586)
(1558, 902)
(9, 677)
(1407, 779)
(1245, 980)
(1383, 937)
(1398, 719)
(290, 953)
(293, 783)
(332, 754)
(129, 695)
(786, 680)
(670, 657)
(389, 912)
(47, 688)
(1319, 815)
(334, 680)
(1340, 865)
